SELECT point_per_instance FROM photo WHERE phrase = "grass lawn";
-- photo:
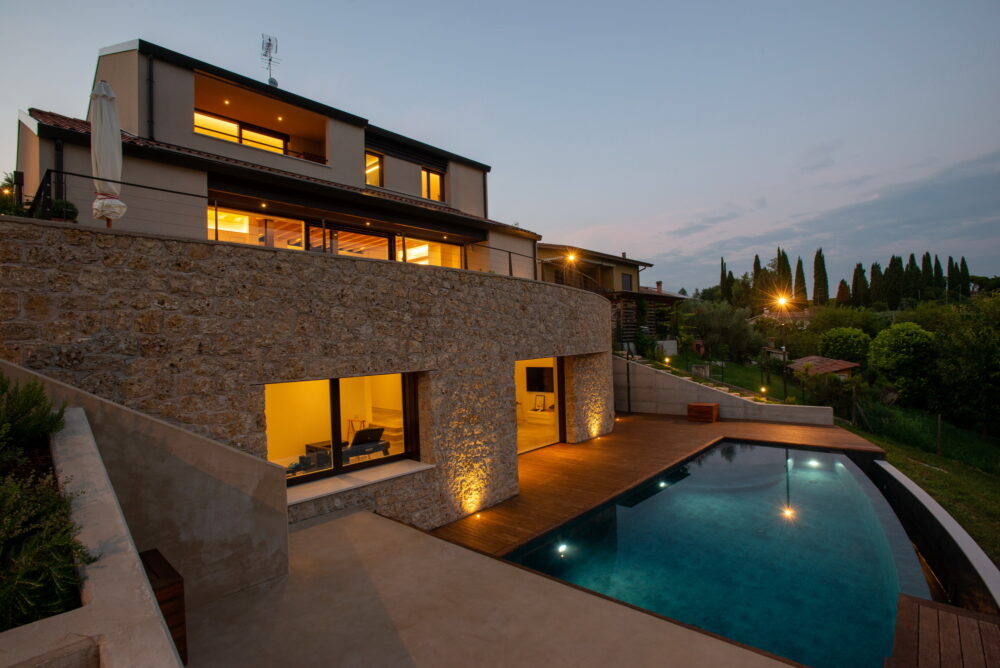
(742, 375)
(971, 495)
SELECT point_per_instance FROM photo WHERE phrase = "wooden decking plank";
(928, 645)
(951, 644)
(972, 643)
(990, 634)
(904, 646)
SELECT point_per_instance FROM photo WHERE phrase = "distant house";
(814, 365)
(615, 277)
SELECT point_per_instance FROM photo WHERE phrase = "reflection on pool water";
(789, 550)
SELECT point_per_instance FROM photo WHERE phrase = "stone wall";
(190, 331)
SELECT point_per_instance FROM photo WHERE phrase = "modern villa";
(356, 419)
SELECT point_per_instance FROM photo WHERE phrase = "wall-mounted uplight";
(263, 205)
(662, 484)
(813, 463)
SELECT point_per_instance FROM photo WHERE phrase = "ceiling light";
(280, 118)
(226, 101)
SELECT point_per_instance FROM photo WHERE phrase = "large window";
(245, 227)
(419, 251)
(372, 419)
(627, 282)
(240, 133)
(373, 169)
(431, 184)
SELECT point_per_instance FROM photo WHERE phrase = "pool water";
(792, 551)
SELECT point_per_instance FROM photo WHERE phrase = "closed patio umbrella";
(106, 153)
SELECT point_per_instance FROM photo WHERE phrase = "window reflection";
(420, 251)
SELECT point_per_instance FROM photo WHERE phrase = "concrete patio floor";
(367, 591)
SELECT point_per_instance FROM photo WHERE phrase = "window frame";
(381, 169)
(411, 431)
(425, 185)
(240, 126)
(627, 275)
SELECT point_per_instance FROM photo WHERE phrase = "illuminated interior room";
(367, 415)
(255, 229)
(539, 411)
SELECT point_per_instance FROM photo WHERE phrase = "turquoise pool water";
(792, 551)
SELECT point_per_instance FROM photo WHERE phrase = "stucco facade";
(190, 331)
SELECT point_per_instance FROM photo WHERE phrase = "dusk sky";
(677, 132)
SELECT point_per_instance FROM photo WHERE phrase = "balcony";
(232, 113)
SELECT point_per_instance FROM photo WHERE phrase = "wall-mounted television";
(540, 379)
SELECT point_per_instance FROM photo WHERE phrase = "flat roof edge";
(130, 45)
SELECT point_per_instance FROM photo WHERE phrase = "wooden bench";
(168, 587)
(703, 412)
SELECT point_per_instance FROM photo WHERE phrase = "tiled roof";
(81, 126)
(820, 365)
(663, 293)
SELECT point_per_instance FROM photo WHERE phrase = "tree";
(843, 294)
(953, 281)
(741, 290)
(821, 285)
(723, 282)
(903, 355)
(876, 291)
(911, 279)
(783, 274)
(926, 276)
(892, 280)
(859, 287)
(823, 319)
(939, 281)
(800, 297)
(725, 330)
(682, 291)
(845, 343)
(963, 274)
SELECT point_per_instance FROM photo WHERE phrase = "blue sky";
(677, 132)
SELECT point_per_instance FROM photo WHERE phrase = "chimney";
(659, 286)
(623, 254)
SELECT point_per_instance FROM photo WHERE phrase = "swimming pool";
(793, 551)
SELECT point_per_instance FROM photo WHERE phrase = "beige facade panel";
(191, 331)
(28, 155)
(465, 187)
(401, 176)
(121, 70)
(504, 254)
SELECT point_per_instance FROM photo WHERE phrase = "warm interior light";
(280, 118)
(367, 222)
(263, 205)
(373, 168)
(478, 516)
(230, 221)
(226, 101)
(788, 512)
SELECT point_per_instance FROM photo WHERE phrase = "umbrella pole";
(108, 221)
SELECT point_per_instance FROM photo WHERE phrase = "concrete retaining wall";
(655, 391)
(119, 623)
(217, 514)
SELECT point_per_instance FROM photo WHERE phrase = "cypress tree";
(723, 283)
(821, 284)
(801, 299)
(911, 279)
(730, 284)
(756, 268)
(784, 271)
(938, 275)
(859, 287)
(758, 291)
(926, 275)
(953, 279)
(876, 293)
(843, 294)
(963, 274)
(892, 280)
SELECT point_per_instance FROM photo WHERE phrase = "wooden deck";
(561, 481)
(934, 635)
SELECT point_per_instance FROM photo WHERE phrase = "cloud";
(706, 221)
(855, 182)
(819, 157)
(955, 211)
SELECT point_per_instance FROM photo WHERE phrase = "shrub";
(845, 343)
(38, 551)
(904, 355)
(28, 414)
(63, 209)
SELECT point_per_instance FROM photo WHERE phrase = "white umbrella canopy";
(106, 153)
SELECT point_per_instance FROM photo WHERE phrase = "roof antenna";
(268, 50)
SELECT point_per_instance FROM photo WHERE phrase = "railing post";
(510, 263)
(216, 203)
